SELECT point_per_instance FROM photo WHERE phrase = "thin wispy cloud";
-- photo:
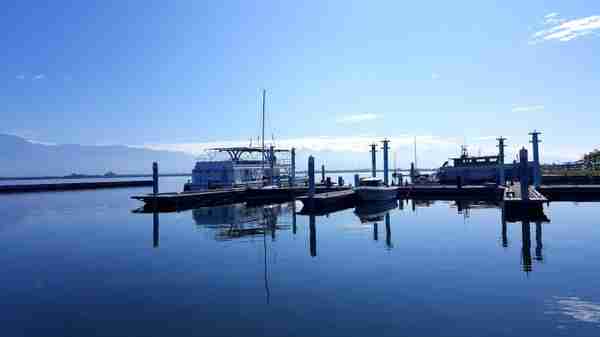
(563, 30)
(20, 77)
(435, 76)
(527, 108)
(357, 118)
(432, 150)
(552, 19)
(39, 77)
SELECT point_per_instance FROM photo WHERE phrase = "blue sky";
(180, 74)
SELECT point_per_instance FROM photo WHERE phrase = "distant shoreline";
(84, 176)
(116, 176)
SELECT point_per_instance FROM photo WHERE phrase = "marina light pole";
(373, 160)
(537, 174)
(386, 143)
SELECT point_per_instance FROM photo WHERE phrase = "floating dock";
(187, 200)
(571, 192)
(328, 202)
(517, 205)
(514, 194)
(451, 192)
(25, 188)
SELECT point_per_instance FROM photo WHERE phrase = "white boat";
(373, 189)
(246, 166)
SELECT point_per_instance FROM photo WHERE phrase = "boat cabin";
(243, 166)
(372, 182)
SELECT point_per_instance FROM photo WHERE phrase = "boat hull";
(368, 193)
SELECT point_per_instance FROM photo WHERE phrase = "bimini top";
(235, 153)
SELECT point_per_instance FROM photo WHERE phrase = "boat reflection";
(238, 220)
(374, 211)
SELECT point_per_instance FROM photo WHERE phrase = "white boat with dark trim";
(373, 189)
(244, 167)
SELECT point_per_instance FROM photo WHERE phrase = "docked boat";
(242, 167)
(373, 189)
(474, 169)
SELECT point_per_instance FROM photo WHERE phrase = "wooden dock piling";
(155, 178)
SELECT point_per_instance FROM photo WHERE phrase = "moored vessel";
(373, 189)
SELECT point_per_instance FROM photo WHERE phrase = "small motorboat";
(373, 189)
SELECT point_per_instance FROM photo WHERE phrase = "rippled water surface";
(83, 264)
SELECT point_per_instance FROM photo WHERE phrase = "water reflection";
(155, 230)
(538, 242)
(238, 220)
(374, 211)
(388, 232)
(312, 235)
(526, 247)
(577, 309)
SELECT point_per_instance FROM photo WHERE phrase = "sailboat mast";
(263, 130)
(415, 152)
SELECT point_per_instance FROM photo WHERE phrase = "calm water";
(82, 264)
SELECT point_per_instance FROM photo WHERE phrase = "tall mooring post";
(155, 178)
(311, 176)
(271, 164)
(322, 174)
(524, 174)
(356, 180)
(412, 173)
(537, 173)
(293, 168)
(501, 146)
(386, 145)
(373, 160)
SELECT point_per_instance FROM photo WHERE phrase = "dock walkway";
(450, 192)
(512, 193)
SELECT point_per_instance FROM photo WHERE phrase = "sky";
(339, 74)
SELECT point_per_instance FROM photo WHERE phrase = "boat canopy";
(236, 153)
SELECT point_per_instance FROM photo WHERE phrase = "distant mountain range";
(20, 157)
